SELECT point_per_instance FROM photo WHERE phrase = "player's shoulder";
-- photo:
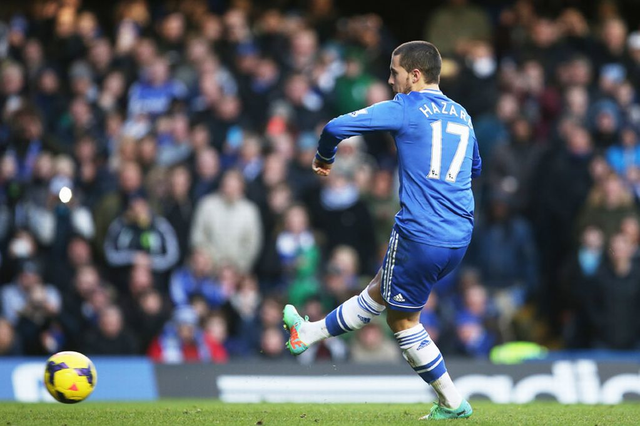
(394, 104)
(398, 99)
(444, 98)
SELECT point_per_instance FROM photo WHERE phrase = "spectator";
(207, 176)
(216, 328)
(70, 216)
(27, 141)
(112, 97)
(111, 337)
(29, 292)
(505, 254)
(608, 204)
(633, 45)
(273, 172)
(478, 77)
(175, 146)
(223, 119)
(563, 184)
(113, 203)
(178, 207)
(37, 323)
(228, 225)
(305, 106)
(272, 344)
(138, 231)
(303, 50)
(341, 279)
(299, 254)
(139, 280)
(455, 23)
(436, 317)
(153, 93)
(269, 268)
(513, 166)
(384, 205)
(544, 44)
(147, 318)
(262, 88)
(612, 49)
(247, 314)
(630, 227)
(197, 279)
(351, 88)
(492, 127)
(79, 119)
(574, 291)
(172, 31)
(9, 340)
(474, 327)
(93, 178)
(615, 298)
(78, 313)
(48, 98)
(182, 340)
(372, 346)
(626, 155)
(20, 247)
(343, 217)
(13, 84)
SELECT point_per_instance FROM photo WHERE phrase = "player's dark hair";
(423, 56)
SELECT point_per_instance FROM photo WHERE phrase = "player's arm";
(383, 116)
(476, 166)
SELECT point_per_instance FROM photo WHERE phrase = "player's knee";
(374, 290)
(391, 322)
(399, 321)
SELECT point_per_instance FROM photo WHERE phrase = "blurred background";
(156, 196)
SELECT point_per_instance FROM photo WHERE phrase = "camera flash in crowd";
(65, 194)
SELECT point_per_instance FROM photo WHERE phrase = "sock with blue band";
(353, 314)
(425, 358)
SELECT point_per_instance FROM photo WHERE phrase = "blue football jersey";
(437, 158)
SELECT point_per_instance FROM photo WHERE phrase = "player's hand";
(321, 168)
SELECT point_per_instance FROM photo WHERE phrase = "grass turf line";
(205, 412)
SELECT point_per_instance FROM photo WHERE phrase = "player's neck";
(422, 86)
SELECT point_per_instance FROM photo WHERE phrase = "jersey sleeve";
(383, 116)
(476, 166)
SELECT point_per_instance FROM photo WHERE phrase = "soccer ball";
(70, 377)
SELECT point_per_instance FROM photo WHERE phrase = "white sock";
(353, 314)
(448, 394)
(425, 358)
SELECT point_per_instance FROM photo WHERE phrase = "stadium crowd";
(156, 195)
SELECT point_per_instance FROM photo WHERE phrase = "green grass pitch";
(201, 412)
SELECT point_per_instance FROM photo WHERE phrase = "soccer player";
(437, 158)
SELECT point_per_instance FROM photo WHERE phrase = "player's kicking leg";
(404, 283)
(353, 314)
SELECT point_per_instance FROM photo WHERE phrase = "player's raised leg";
(353, 314)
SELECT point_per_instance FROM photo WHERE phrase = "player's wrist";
(323, 159)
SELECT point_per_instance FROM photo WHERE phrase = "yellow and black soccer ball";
(70, 377)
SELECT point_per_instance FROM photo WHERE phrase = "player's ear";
(416, 75)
